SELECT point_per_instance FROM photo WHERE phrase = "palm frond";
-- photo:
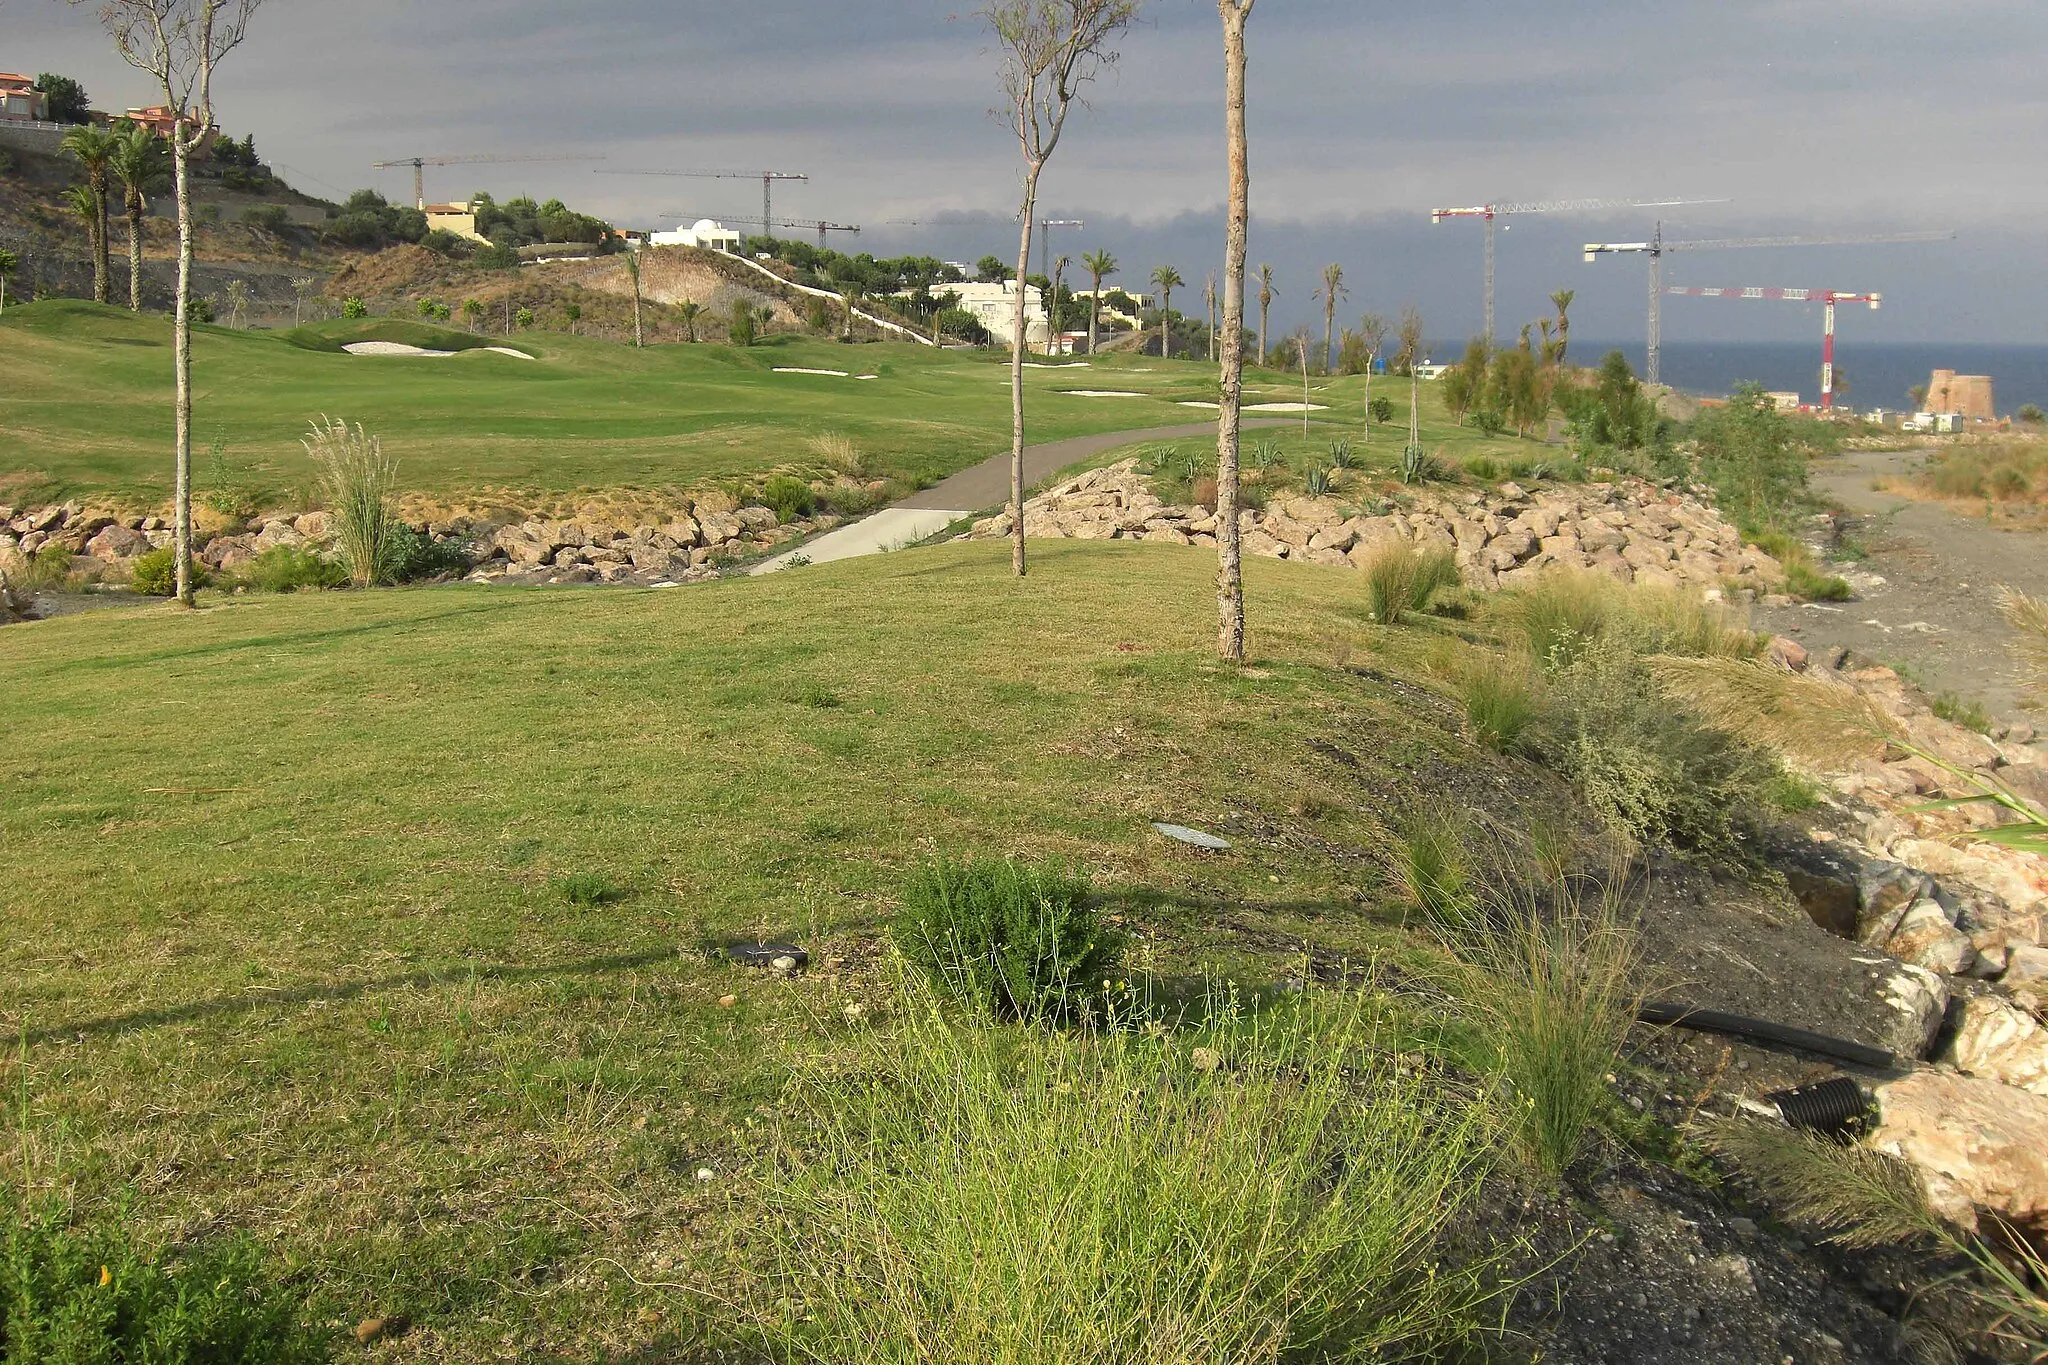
(1826, 726)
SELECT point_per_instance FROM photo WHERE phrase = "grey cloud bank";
(1813, 115)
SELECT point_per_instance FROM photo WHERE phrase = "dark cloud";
(1812, 115)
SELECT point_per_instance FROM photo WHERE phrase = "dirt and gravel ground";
(1927, 596)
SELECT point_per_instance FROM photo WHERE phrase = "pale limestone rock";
(2001, 1042)
(1978, 1144)
(1926, 937)
(1919, 1002)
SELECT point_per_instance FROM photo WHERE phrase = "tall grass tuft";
(1401, 581)
(1551, 980)
(359, 484)
(1567, 613)
(962, 1195)
(1502, 703)
(840, 453)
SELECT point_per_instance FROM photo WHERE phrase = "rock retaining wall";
(1502, 537)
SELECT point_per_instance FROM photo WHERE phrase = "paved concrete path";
(971, 490)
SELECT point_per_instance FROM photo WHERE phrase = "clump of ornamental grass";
(360, 486)
(1401, 580)
(957, 1194)
(839, 452)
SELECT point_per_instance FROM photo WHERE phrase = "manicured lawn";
(289, 947)
(85, 407)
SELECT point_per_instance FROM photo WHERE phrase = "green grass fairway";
(85, 406)
(288, 946)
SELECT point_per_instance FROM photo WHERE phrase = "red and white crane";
(1491, 214)
(1657, 246)
(1829, 297)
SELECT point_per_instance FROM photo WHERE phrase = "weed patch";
(1020, 941)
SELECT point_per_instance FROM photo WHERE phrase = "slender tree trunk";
(1330, 335)
(1230, 399)
(102, 269)
(135, 256)
(1165, 324)
(1265, 306)
(1017, 374)
(1094, 314)
(181, 360)
(1370, 360)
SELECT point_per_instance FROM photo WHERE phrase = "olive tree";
(1052, 51)
(179, 44)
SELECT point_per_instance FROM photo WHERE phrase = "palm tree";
(9, 264)
(1333, 289)
(1166, 279)
(86, 207)
(1100, 266)
(1267, 293)
(1563, 300)
(140, 163)
(94, 146)
(473, 313)
(687, 312)
(1212, 315)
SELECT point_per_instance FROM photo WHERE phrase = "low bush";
(1502, 703)
(1401, 581)
(156, 574)
(415, 555)
(1023, 941)
(289, 568)
(270, 218)
(46, 568)
(1804, 579)
(1283, 1191)
(1434, 871)
(93, 1297)
(791, 499)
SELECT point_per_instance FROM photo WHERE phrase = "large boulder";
(1979, 1145)
(2001, 1042)
(1927, 936)
(1918, 1000)
(117, 543)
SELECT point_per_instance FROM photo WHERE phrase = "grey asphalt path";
(971, 490)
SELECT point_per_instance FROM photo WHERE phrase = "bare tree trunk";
(181, 361)
(1094, 314)
(134, 257)
(1370, 361)
(1017, 375)
(1230, 416)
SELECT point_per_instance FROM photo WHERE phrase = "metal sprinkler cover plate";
(753, 953)
(1193, 837)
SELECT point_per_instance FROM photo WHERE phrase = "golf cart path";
(1927, 598)
(979, 486)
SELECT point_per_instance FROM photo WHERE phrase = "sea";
(1879, 375)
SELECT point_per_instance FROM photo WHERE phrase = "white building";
(995, 307)
(707, 234)
(1111, 313)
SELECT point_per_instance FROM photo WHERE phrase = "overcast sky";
(1821, 116)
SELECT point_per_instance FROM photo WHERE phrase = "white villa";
(706, 233)
(995, 307)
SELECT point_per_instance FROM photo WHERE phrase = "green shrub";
(1020, 940)
(1652, 771)
(288, 568)
(46, 568)
(156, 573)
(1401, 580)
(1484, 468)
(354, 309)
(790, 498)
(1381, 410)
(270, 218)
(92, 1297)
(1566, 613)
(1971, 715)
(496, 257)
(1434, 871)
(415, 555)
(1281, 1191)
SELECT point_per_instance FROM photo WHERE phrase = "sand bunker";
(792, 369)
(1266, 407)
(1100, 393)
(1070, 365)
(400, 348)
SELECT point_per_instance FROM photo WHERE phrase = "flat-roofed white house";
(705, 233)
(995, 307)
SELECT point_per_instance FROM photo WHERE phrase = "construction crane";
(1829, 297)
(1493, 213)
(807, 224)
(419, 166)
(1045, 227)
(767, 179)
(1657, 246)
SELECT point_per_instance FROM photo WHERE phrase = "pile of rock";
(685, 546)
(80, 532)
(1958, 930)
(1502, 537)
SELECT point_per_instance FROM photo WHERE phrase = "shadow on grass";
(248, 1003)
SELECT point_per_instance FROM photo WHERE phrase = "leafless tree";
(1230, 398)
(1052, 51)
(180, 43)
(1373, 328)
(1411, 359)
(633, 273)
(1267, 293)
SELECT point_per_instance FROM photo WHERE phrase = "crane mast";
(1828, 297)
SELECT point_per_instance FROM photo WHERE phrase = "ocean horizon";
(1879, 375)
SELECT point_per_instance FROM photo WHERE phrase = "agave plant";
(1316, 481)
(1340, 453)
